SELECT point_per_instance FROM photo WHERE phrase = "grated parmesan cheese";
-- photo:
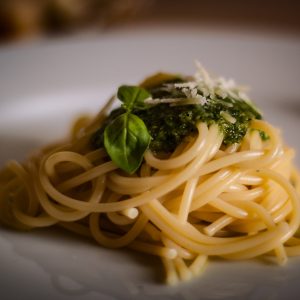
(228, 117)
(202, 89)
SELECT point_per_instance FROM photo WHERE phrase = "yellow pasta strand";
(206, 199)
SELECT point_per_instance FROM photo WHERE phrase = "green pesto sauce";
(170, 125)
(263, 135)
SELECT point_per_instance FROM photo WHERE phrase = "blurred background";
(27, 19)
(62, 58)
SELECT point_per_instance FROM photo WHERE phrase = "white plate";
(44, 86)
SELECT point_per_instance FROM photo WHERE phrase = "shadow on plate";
(292, 107)
(17, 148)
(78, 267)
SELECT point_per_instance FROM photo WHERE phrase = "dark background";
(27, 19)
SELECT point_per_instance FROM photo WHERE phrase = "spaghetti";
(205, 199)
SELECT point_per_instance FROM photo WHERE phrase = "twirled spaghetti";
(205, 199)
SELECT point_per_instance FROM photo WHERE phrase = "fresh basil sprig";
(126, 138)
(133, 97)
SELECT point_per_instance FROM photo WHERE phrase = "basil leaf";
(133, 97)
(126, 139)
